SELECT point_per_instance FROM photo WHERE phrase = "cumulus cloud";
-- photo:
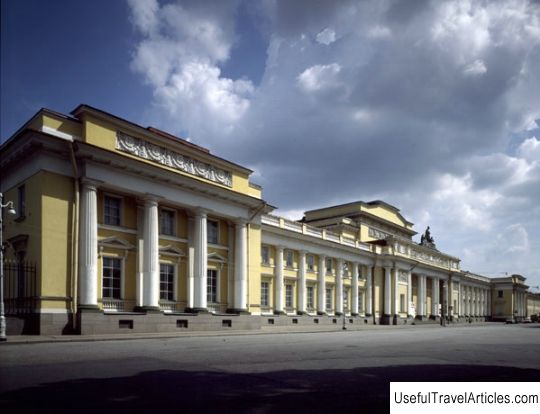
(438, 120)
(320, 77)
(326, 37)
(179, 54)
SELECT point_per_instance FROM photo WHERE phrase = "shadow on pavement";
(340, 391)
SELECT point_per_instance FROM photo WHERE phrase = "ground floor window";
(112, 277)
(288, 296)
(360, 301)
(345, 298)
(264, 294)
(310, 300)
(211, 281)
(328, 299)
(166, 281)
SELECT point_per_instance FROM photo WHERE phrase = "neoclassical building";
(122, 228)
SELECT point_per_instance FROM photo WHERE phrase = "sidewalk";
(41, 339)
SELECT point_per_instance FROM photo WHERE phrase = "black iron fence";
(20, 287)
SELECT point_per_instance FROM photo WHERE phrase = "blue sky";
(432, 106)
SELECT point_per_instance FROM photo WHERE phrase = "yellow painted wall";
(378, 288)
(254, 267)
(382, 212)
(57, 216)
(60, 124)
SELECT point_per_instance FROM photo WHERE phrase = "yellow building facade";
(123, 228)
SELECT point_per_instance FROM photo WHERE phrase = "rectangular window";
(329, 266)
(310, 300)
(310, 260)
(166, 281)
(265, 255)
(264, 294)
(112, 277)
(166, 222)
(288, 296)
(345, 298)
(361, 301)
(328, 299)
(402, 303)
(211, 282)
(500, 294)
(111, 211)
(212, 231)
(289, 258)
(21, 202)
(345, 269)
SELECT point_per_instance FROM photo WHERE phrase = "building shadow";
(306, 391)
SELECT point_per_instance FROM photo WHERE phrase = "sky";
(431, 106)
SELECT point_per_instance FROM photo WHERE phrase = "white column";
(387, 290)
(369, 291)
(301, 309)
(409, 292)
(200, 262)
(489, 303)
(395, 291)
(435, 296)
(468, 300)
(240, 267)
(140, 257)
(421, 295)
(354, 296)
(190, 288)
(151, 255)
(339, 287)
(278, 297)
(231, 236)
(88, 252)
(475, 296)
(321, 288)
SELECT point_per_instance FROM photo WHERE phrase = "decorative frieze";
(164, 156)
(377, 234)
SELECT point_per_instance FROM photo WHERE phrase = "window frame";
(329, 269)
(310, 263)
(217, 233)
(121, 269)
(310, 297)
(120, 199)
(265, 258)
(173, 282)
(265, 294)
(289, 296)
(329, 305)
(500, 294)
(173, 224)
(289, 254)
(209, 286)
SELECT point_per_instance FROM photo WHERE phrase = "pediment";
(215, 257)
(171, 251)
(115, 243)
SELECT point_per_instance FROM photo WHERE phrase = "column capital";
(280, 248)
(90, 183)
(151, 200)
(200, 212)
(241, 222)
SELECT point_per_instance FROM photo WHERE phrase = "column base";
(368, 314)
(198, 310)
(279, 312)
(238, 311)
(434, 317)
(387, 320)
(339, 313)
(301, 313)
(151, 309)
(354, 314)
(420, 318)
(88, 308)
(319, 313)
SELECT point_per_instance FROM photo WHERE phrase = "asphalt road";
(345, 371)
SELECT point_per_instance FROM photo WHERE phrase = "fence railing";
(20, 287)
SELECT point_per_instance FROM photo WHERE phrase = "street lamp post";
(11, 210)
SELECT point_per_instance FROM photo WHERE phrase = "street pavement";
(342, 371)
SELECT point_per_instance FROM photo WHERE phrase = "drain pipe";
(75, 239)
